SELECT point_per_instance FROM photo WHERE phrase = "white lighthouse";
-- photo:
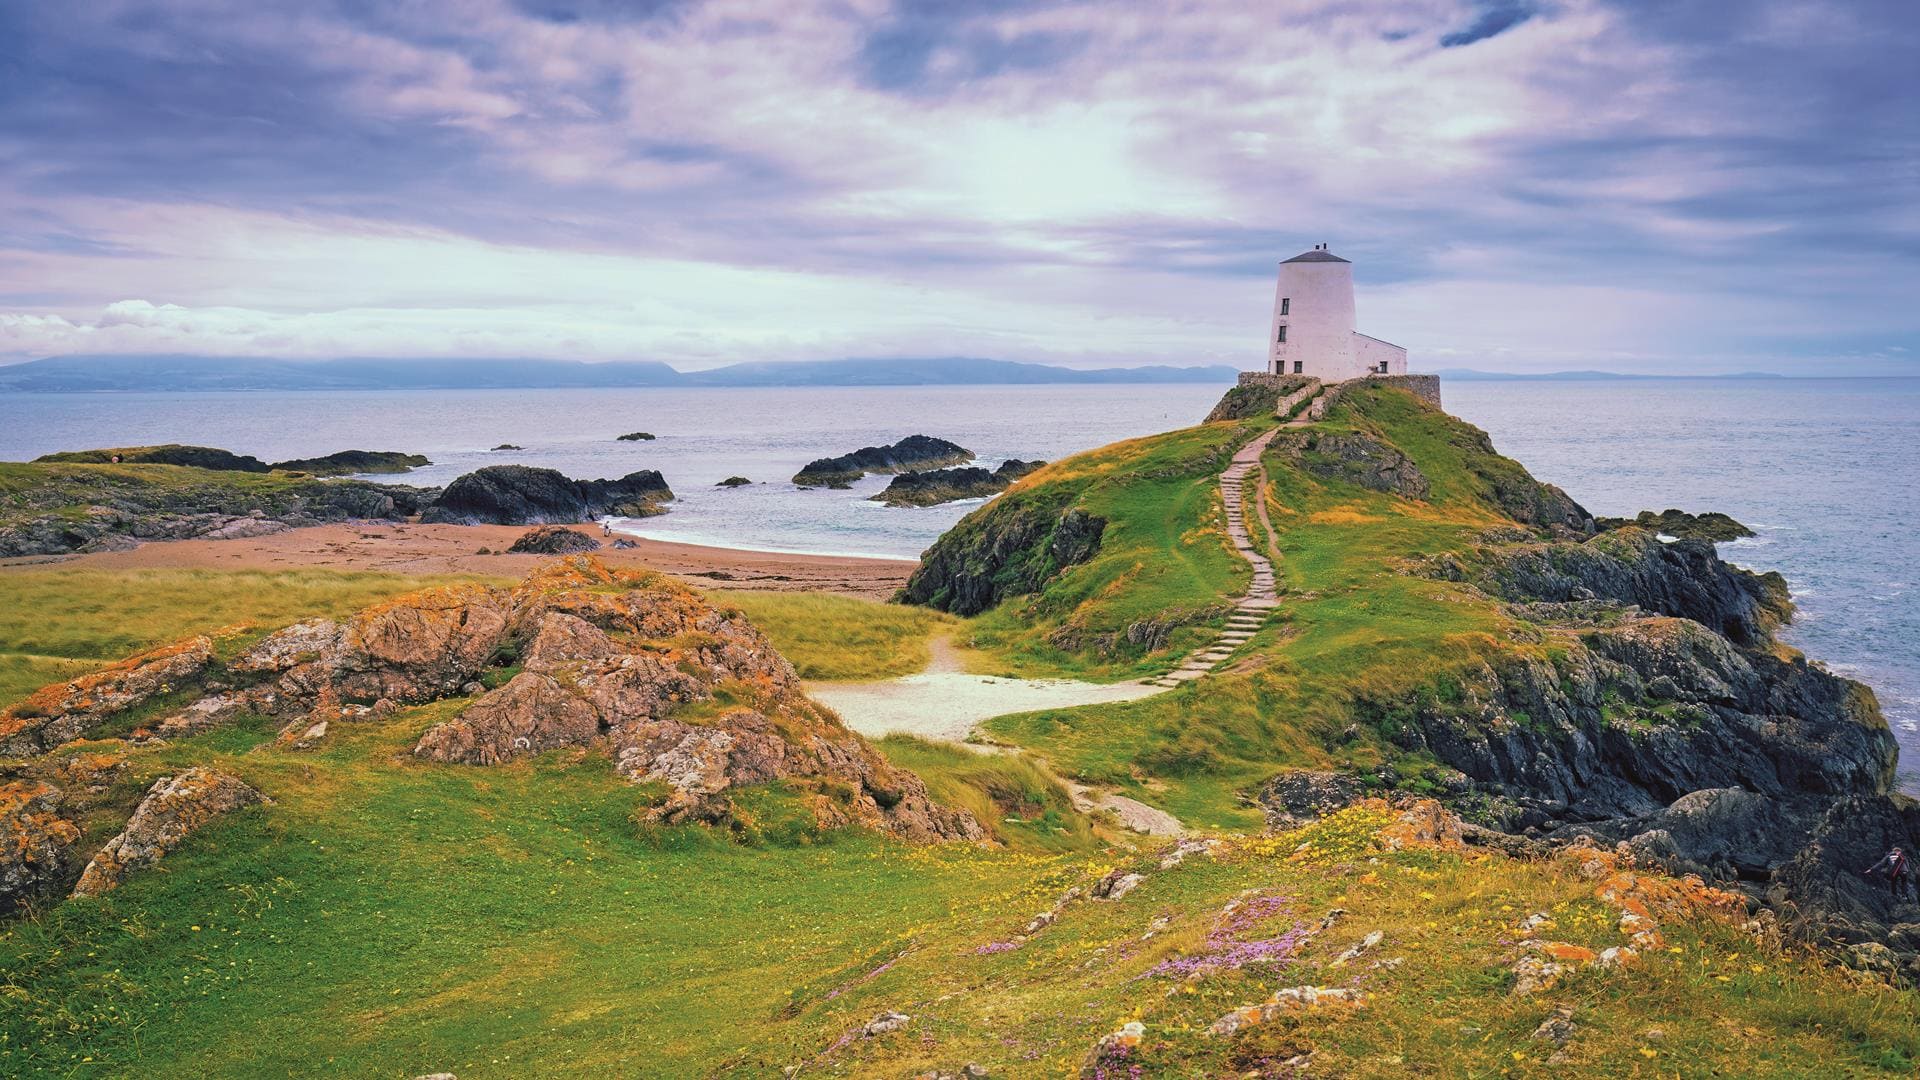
(1312, 330)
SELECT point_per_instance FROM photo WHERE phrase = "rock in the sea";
(734, 482)
(1713, 527)
(637, 436)
(198, 457)
(347, 462)
(509, 446)
(524, 495)
(69, 710)
(174, 808)
(553, 540)
(912, 452)
(948, 485)
(35, 841)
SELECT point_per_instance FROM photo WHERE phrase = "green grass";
(1014, 795)
(1353, 626)
(841, 638)
(57, 623)
(386, 918)
(1164, 557)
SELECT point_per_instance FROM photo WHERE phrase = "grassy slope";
(1163, 554)
(31, 489)
(389, 918)
(841, 638)
(1351, 624)
(57, 622)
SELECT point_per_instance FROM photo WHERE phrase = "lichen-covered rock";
(35, 841)
(1714, 527)
(174, 808)
(69, 710)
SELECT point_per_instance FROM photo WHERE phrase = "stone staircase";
(1249, 611)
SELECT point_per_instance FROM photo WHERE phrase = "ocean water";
(1824, 470)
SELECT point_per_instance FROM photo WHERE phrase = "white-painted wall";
(1318, 297)
(1371, 353)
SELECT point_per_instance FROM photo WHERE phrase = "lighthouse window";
(1284, 302)
(1282, 339)
(1297, 365)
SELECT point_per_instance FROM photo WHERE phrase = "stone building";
(1312, 330)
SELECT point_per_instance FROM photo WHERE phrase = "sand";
(450, 549)
(945, 702)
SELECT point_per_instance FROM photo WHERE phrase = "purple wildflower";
(1222, 951)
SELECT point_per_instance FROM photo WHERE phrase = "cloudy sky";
(1522, 184)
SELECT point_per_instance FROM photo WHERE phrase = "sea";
(1826, 471)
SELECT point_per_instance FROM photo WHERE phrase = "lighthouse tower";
(1312, 330)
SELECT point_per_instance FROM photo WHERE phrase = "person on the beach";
(606, 527)
(1897, 868)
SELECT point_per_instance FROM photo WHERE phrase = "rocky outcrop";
(67, 711)
(346, 462)
(628, 663)
(61, 508)
(1013, 549)
(948, 485)
(919, 452)
(1686, 579)
(553, 540)
(734, 482)
(1675, 727)
(637, 436)
(198, 457)
(35, 842)
(524, 495)
(1353, 458)
(1713, 527)
(174, 808)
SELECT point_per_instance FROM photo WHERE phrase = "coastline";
(403, 547)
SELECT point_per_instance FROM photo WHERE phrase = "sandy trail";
(451, 549)
(945, 702)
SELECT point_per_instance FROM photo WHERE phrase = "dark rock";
(553, 540)
(947, 485)
(1685, 578)
(1713, 527)
(913, 452)
(1352, 458)
(637, 494)
(1008, 548)
(198, 457)
(1300, 796)
(509, 446)
(524, 495)
(624, 544)
(355, 461)
(734, 482)
(637, 436)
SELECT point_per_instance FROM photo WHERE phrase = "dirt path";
(945, 702)
(453, 549)
(1250, 611)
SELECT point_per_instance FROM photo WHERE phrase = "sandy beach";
(449, 549)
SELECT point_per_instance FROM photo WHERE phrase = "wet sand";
(945, 702)
(452, 549)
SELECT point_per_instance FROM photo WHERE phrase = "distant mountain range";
(71, 374)
(1470, 375)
